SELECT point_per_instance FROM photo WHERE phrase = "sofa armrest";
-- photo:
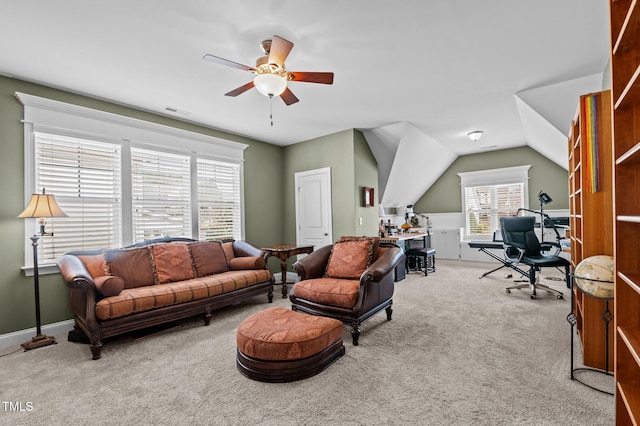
(74, 273)
(82, 289)
(242, 248)
(314, 264)
(383, 265)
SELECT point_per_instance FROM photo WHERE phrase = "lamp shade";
(270, 84)
(42, 205)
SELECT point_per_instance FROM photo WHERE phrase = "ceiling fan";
(271, 76)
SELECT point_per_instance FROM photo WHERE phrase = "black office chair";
(521, 246)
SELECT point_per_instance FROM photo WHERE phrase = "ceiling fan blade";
(288, 97)
(279, 51)
(222, 61)
(240, 90)
(312, 77)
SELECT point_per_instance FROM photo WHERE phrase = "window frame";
(55, 117)
(492, 177)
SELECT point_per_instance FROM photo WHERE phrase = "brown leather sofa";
(331, 286)
(117, 291)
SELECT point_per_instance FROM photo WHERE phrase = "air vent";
(174, 110)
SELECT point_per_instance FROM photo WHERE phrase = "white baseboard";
(22, 336)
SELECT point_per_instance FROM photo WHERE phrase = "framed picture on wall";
(367, 196)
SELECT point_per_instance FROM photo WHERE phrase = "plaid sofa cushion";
(141, 299)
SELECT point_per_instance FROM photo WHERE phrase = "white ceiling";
(513, 68)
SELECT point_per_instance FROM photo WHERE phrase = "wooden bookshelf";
(591, 221)
(625, 88)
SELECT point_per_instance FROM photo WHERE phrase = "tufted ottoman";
(281, 345)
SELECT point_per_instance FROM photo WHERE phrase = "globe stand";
(607, 317)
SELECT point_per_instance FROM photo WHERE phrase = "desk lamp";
(40, 206)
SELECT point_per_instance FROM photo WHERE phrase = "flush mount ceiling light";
(475, 135)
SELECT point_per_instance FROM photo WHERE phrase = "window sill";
(46, 269)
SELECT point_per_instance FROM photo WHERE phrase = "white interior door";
(313, 207)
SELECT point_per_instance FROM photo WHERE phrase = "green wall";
(263, 172)
(352, 167)
(366, 175)
(444, 195)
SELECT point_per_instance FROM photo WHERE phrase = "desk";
(406, 238)
(404, 241)
(283, 252)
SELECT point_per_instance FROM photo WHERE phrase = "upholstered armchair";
(351, 281)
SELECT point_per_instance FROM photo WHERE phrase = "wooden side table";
(283, 252)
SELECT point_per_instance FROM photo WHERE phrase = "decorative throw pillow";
(375, 240)
(208, 258)
(132, 265)
(246, 262)
(349, 259)
(108, 285)
(228, 250)
(173, 262)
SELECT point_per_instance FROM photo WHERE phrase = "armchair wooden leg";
(389, 311)
(355, 334)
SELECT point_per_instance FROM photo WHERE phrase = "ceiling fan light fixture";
(475, 135)
(270, 84)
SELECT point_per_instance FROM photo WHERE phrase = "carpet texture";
(459, 351)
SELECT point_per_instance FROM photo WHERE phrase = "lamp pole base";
(38, 341)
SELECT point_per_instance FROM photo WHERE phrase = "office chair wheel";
(508, 291)
(533, 296)
(560, 296)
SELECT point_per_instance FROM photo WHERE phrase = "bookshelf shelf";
(625, 84)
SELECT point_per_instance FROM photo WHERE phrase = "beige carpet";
(459, 351)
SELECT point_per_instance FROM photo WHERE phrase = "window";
(489, 195)
(486, 204)
(161, 194)
(121, 180)
(85, 178)
(219, 209)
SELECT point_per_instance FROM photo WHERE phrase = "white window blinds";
(84, 175)
(486, 204)
(160, 189)
(219, 201)
(488, 195)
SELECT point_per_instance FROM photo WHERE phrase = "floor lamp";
(544, 198)
(40, 206)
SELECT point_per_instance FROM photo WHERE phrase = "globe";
(594, 276)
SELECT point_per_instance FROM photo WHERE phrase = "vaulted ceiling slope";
(444, 67)
(409, 161)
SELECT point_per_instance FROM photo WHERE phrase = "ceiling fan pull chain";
(271, 109)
